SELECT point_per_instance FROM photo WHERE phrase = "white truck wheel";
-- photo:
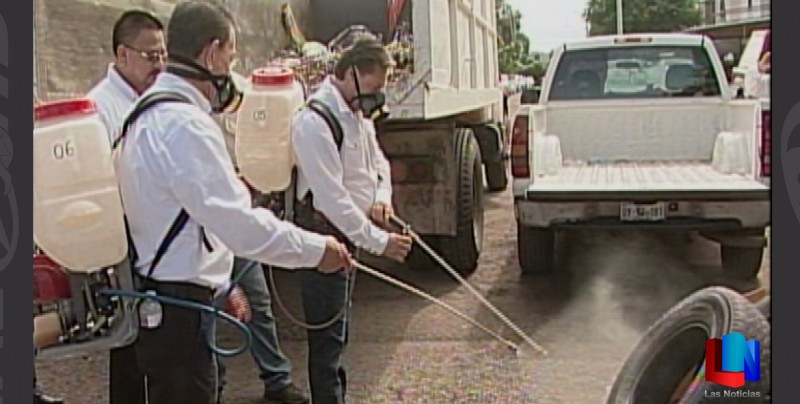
(741, 263)
(535, 249)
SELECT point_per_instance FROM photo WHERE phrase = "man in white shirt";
(173, 159)
(139, 56)
(137, 41)
(349, 188)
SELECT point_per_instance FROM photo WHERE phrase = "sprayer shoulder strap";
(335, 127)
(180, 221)
(143, 105)
(333, 124)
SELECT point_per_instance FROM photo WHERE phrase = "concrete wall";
(73, 37)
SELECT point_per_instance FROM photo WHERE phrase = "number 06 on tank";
(64, 149)
(77, 211)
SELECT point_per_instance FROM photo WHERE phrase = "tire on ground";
(673, 348)
(463, 250)
(535, 249)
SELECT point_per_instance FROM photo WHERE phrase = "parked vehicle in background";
(641, 131)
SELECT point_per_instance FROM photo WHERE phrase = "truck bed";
(638, 180)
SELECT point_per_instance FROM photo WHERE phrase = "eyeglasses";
(153, 56)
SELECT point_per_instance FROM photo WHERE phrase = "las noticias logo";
(730, 362)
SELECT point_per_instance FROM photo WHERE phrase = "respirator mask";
(228, 97)
(373, 105)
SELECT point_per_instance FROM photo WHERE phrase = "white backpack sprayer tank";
(263, 129)
(77, 212)
(79, 230)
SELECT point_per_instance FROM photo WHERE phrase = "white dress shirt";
(114, 98)
(346, 185)
(174, 157)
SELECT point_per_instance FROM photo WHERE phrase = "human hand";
(765, 64)
(381, 213)
(335, 258)
(238, 306)
(398, 247)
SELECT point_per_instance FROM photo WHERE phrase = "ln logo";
(732, 360)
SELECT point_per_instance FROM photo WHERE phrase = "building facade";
(733, 11)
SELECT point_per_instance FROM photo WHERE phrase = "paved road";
(610, 286)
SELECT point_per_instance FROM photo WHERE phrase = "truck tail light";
(766, 143)
(520, 167)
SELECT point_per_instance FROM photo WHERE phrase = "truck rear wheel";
(497, 175)
(741, 263)
(535, 249)
(742, 252)
(463, 250)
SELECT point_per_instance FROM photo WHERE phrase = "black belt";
(308, 218)
(180, 290)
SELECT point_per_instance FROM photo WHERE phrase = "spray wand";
(451, 309)
(407, 229)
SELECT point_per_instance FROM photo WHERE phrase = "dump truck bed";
(455, 61)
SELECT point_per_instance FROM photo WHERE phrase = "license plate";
(632, 212)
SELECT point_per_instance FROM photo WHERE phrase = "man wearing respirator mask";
(172, 160)
(352, 198)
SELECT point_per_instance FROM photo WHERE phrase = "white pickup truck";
(638, 131)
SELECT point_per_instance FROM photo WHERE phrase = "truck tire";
(496, 176)
(672, 350)
(741, 263)
(535, 249)
(463, 250)
(419, 260)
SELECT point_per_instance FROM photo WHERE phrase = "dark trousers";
(174, 356)
(324, 296)
(126, 381)
(274, 367)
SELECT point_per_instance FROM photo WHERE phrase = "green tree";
(535, 70)
(514, 46)
(642, 16)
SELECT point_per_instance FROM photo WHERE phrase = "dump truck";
(450, 120)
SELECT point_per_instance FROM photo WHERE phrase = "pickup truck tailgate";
(640, 180)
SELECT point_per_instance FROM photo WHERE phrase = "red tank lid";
(58, 109)
(273, 76)
(50, 280)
